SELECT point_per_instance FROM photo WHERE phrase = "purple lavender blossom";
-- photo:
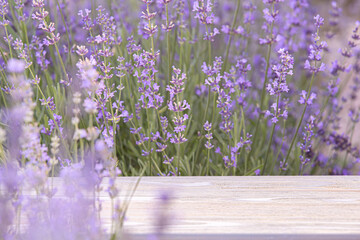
(230, 161)
(303, 97)
(278, 84)
(270, 16)
(15, 66)
(145, 72)
(306, 145)
(208, 135)
(315, 49)
(203, 12)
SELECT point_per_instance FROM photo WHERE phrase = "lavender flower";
(148, 26)
(49, 28)
(230, 161)
(278, 84)
(145, 72)
(22, 52)
(15, 66)
(208, 135)
(203, 12)
(49, 103)
(303, 98)
(306, 145)
(90, 106)
(270, 15)
(177, 106)
(86, 19)
(213, 74)
(335, 14)
(3, 11)
(316, 49)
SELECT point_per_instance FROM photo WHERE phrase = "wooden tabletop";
(269, 207)
(276, 207)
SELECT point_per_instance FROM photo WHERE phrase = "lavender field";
(95, 90)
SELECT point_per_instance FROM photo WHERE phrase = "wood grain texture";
(276, 207)
(249, 205)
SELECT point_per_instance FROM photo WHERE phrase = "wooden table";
(270, 207)
(283, 207)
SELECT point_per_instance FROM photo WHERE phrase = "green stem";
(151, 37)
(168, 44)
(52, 117)
(262, 99)
(148, 133)
(207, 103)
(279, 150)
(208, 163)
(271, 136)
(214, 108)
(209, 45)
(300, 121)
(66, 29)
(61, 62)
(7, 36)
(230, 36)
(268, 149)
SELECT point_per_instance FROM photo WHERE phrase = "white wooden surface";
(269, 207)
(242, 206)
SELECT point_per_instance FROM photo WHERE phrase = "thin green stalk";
(148, 133)
(244, 131)
(112, 112)
(207, 103)
(209, 45)
(209, 89)
(181, 49)
(66, 29)
(300, 121)
(268, 149)
(82, 152)
(230, 36)
(168, 43)
(7, 36)
(3, 55)
(76, 151)
(4, 100)
(214, 107)
(52, 117)
(279, 151)
(178, 144)
(189, 16)
(61, 62)
(178, 157)
(59, 55)
(15, 19)
(229, 146)
(262, 99)
(92, 146)
(208, 163)
(271, 136)
(146, 149)
(151, 37)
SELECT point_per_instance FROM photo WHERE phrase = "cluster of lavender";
(124, 90)
(174, 87)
